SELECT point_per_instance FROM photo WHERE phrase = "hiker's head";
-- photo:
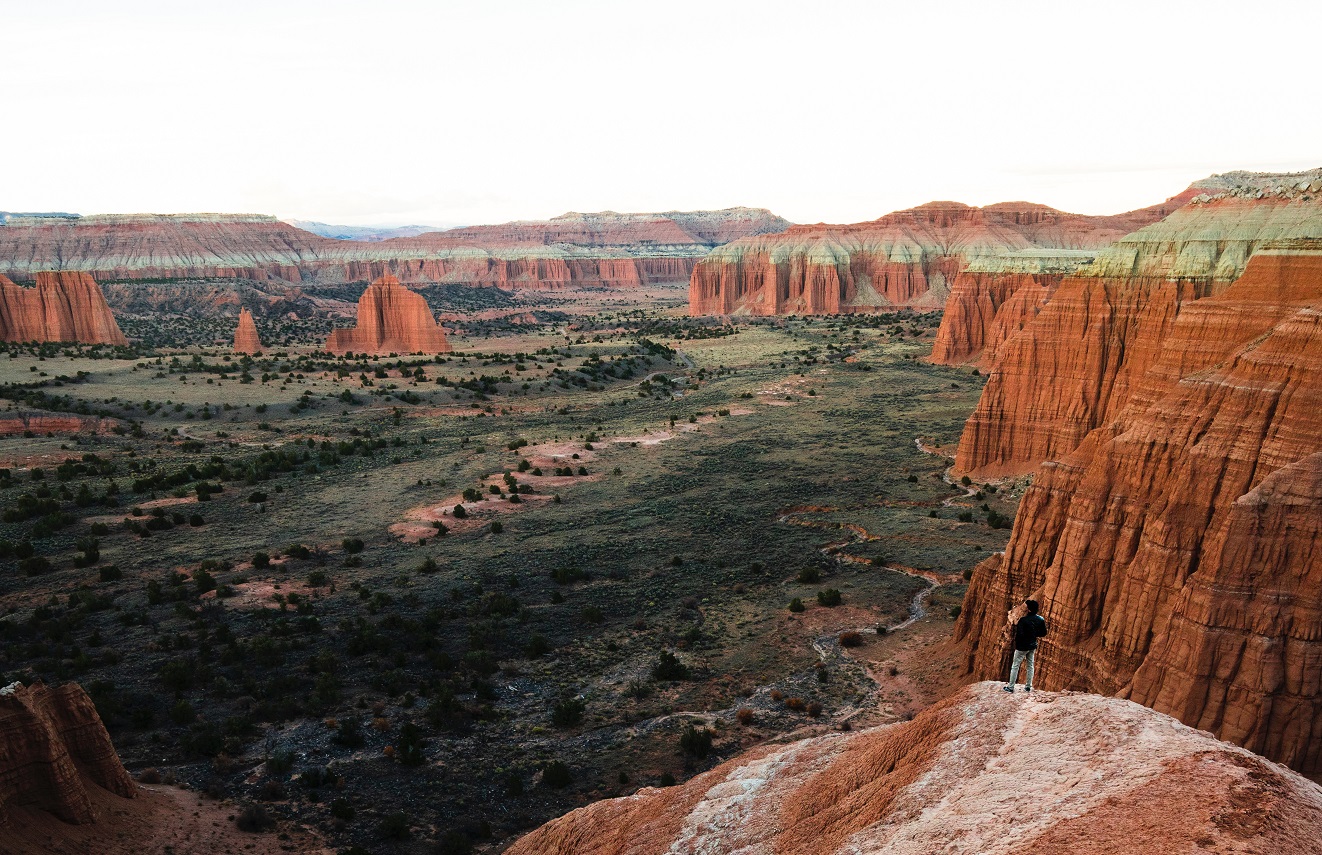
(1032, 606)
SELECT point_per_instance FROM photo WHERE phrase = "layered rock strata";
(979, 773)
(574, 250)
(246, 339)
(1072, 366)
(52, 748)
(994, 298)
(1175, 550)
(908, 258)
(60, 307)
(391, 319)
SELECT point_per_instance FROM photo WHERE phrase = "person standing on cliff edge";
(1027, 630)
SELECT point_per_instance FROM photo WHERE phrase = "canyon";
(907, 258)
(604, 249)
(979, 772)
(391, 319)
(61, 306)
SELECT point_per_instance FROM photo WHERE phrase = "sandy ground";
(160, 821)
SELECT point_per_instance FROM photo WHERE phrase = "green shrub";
(809, 575)
(696, 741)
(829, 597)
(669, 667)
(796, 605)
(567, 712)
(352, 545)
(556, 775)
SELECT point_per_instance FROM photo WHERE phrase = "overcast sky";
(391, 112)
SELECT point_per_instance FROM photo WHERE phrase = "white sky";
(391, 111)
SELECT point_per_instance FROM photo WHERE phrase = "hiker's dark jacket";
(1028, 630)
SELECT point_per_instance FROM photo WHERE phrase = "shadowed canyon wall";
(52, 747)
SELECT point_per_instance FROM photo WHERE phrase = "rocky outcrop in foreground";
(1175, 551)
(391, 319)
(908, 258)
(60, 307)
(52, 748)
(246, 339)
(604, 249)
(983, 772)
(1073, 365)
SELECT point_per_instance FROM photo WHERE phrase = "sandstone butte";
(1072, 366)
(573, 250)
(982, 773)
(391, 319)
(1175, 550)
(907, 258)
(53, 749)
(246, 339)
(62, 306)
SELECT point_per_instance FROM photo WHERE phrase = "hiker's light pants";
(1022, 657)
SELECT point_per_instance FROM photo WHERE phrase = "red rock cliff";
(980, 773)
(62, 306)
(1072, 366)
(1175, 549)
(391, 319)
(908, 258)
(993, 298)
(52, 747)
(603, 249)
(246, 339)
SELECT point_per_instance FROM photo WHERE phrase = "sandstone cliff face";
(52, 745)
(980, 773)
(908, 258)
(391, 319)
(994, 298)
(1175, 549)
(60, 307)
(574, 250)
(246, 339)
(1071, 368)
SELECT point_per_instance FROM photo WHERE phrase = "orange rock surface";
(908, 258)
(1072, 366)
(992, 299)
(1175, 550)
(246, 339)
(52, 748)
(391, 319)
(62, 306)
(983, 772)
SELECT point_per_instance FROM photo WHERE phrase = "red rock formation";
(606, 249)
(52, 747)
(908, 258)
(246, 339)
(985, 773)
(1175, 549)
(993, 298)
(1072, 366)
(391, 319)
(62, 306)
(12, 424)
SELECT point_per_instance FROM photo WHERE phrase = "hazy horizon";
(452, 114)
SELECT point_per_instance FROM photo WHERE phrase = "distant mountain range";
(365, 233)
